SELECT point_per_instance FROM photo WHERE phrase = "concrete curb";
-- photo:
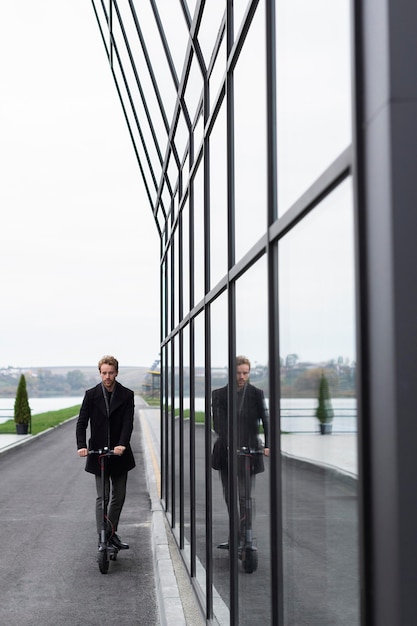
(169, 600)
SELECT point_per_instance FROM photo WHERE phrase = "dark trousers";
(245, 509)
(117, 497)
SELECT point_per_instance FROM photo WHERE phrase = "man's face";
(242, 375)
(108, 376)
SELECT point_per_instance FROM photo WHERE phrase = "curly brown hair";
(242, 360)
(108, 360)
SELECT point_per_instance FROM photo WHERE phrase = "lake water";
(38, 405)
(298, 415)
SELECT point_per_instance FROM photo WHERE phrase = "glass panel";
(194, 89)
(217, 75)
(166, 197)
(218, 199)
(163, 303)
(313, 87)
(147, 24)
(209, 28)
(146, 148)
(187, 440)
(169, 287)
(200, 456)
(191, 7)
(198, 133)
(176, 32)
(160, 67)
(176, 285)
(166, 446)
(317, 343)
(178, 434)
(253, 433)
(239, 10)
(102, 18)
(250, 138)
(219, 378)
(182, 137)
(172, 171)
(199, 248)
(186, 257)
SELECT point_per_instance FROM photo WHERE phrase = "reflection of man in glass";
(251, 412)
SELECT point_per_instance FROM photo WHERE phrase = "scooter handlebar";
(248, 451)
(102, 452)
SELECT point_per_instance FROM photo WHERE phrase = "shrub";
(22, 414)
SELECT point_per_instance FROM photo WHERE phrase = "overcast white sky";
(79, 251)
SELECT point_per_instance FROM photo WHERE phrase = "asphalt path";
(48, 569)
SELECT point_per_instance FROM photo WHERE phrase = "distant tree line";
(43, 383)
(298, 379)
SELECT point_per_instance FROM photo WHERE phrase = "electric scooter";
(248, 552)
(106, 550)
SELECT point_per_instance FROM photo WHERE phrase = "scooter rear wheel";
(103, 562)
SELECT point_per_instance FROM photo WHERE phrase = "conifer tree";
(324, 411)
(22, 414)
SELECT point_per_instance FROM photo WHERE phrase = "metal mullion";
(362, 333)
(232, 422)
(111, 32)
(276, 495)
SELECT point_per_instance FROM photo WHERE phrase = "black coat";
(107, 431)
(251, 413)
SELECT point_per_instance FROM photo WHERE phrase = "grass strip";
(43, 421)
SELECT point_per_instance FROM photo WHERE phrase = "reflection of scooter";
(248, 552)
(106, 550)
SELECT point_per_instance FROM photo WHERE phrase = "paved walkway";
(177, 604)
(336, 451)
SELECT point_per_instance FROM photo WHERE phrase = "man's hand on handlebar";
(118, 450)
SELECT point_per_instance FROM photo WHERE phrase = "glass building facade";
(276, 143)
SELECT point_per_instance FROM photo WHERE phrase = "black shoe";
(118, 543)
(223, 546)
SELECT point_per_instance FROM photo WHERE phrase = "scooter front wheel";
(103, 561)
(250, 560)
